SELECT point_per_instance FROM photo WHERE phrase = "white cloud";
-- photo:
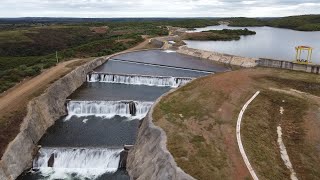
(249, 2)
(156, 8)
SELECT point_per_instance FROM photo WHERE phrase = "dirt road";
(18, 94)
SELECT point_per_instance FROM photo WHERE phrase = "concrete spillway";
(134, 109)
(106, 111)
(161, 81)
(61, 163)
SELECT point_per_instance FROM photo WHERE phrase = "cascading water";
(62, 163)
(133, 109)
(138, 79)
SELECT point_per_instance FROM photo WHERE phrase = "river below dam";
(105, 112)
(269, 42)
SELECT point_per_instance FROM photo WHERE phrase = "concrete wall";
(310, 68)
(219, 57)
(248, 62)
(150, 158)
(43, 111)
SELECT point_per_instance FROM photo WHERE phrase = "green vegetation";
(25, 52)
(301, 23)
(32, 42)
(219, 35)
(15, 69)
(27, 47)
(242, 22)
(238, 32)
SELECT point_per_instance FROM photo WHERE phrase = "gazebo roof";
(304, 47)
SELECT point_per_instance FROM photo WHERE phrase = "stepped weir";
(108, 108)
(134, 79)
(86, 144)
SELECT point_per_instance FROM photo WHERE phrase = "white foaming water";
(62, 163)
(131, 109)
(138, 79)
(170, 51)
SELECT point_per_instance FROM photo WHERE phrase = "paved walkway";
(243, 153)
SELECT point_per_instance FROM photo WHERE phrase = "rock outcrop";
(43, 111)
(219, 57)
(150, 158)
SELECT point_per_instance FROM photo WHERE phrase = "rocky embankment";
(150, 158)
(219, 57)
(43, 111)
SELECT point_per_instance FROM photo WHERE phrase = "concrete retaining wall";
(43, 111)
(150, 158)
(310, 68)
(248, 62)
(219, 57)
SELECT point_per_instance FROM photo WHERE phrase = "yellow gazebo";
(299, 50)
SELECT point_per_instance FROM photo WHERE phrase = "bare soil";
(99, 30)
(200, 122)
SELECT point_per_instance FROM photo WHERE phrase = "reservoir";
(269, 42)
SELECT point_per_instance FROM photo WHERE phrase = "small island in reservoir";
(218, 35)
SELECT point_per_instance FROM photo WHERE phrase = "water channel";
(105, 112)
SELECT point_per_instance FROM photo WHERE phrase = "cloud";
(157, 8)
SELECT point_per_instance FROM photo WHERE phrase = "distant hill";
(301, 23)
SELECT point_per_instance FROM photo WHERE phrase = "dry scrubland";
(200, 121)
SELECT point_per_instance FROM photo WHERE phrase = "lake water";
(274, 43)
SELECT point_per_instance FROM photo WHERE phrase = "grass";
(14, 37)
(198, 153)
(260, 136)
(200, 120)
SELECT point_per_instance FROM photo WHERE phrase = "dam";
(104, 114)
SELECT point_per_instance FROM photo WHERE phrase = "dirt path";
(21, 92)
(144, 45)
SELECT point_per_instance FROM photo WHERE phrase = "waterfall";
(138, 79)
(61, 163)
(133, 109)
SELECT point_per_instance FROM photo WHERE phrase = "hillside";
(28, 45)
(200, 122)
(301, 23)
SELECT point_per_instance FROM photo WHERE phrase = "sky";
(157, 8)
